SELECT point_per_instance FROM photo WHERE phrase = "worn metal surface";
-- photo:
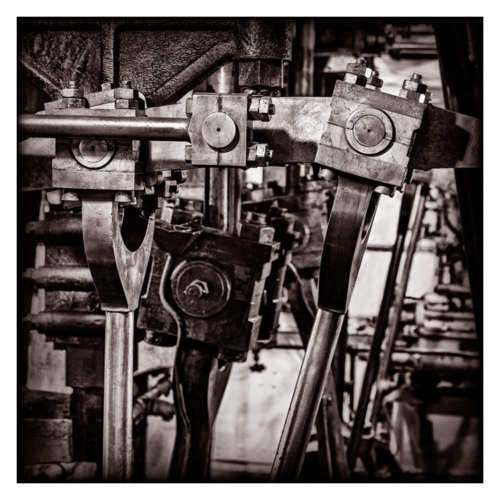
(60, 231)
(46, 440)
(66, 323)
(118, 381)
(246, 262)
(117, 257)
(61, 278)
(164, 57)
(399, 120)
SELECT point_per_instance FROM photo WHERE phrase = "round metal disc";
(219, 130)
(184, 280)
(369, 131)
(93, 150)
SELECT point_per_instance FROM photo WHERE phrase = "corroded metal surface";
(165, 57)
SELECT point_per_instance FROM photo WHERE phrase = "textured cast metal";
(164, 57)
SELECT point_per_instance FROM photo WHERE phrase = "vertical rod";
(373, 359)
(398, 301)
(307, 396)
(118, 395)
(334, 421)
(381, 326)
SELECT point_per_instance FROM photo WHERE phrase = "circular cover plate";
(217, 282)
(219, 130)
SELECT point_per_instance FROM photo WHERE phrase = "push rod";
(307, 396)
(118, 397)
(380, 327)
(111, 127)
(398, 302)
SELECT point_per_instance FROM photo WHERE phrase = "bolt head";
(416, 96)
(355, 79)
(126, 93)
(72, 92)
(126, 104)
(71, 102)
(359, 68)
(415, 86)
(106, 86)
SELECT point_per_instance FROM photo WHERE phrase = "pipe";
(118, 397)
(398, 302)
(307, 396)
(112, 127)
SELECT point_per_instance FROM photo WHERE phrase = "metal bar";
(77, 278)
(380, 327)
(307, 396)
(323, 438)
(334, 421)
(113, 127)
(427, 352)
(63, 231)
(118, 395)
(398, 302)
(67, 323)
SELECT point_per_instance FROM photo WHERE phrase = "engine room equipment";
(216, 292)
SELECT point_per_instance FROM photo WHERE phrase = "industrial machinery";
(203, 274)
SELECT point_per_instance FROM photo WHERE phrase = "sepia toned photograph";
(249, 249)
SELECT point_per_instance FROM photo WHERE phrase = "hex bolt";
(196, 290)
(126, 84)
(72, 84)
(415, 90)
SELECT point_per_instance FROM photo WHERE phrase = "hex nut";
(359, 69)
(71, 102)
(266, 109)
(189, 107)
(415, 96)
(197, 289)
(415, 86)
(375, 81)
(254, 108)
(126, 104)
(355, 79)
(106, 86)
(256, 232)
(188, 154)
(261, 155)
(121, 93)
(72, 92)
(252, 153)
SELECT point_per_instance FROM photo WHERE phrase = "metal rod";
(398, 302)
(63, 231)
(118, 395)
(112, 127)
(67, 323)
(77, 278)
(307, 396)
(334, 421)
(380, 328)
